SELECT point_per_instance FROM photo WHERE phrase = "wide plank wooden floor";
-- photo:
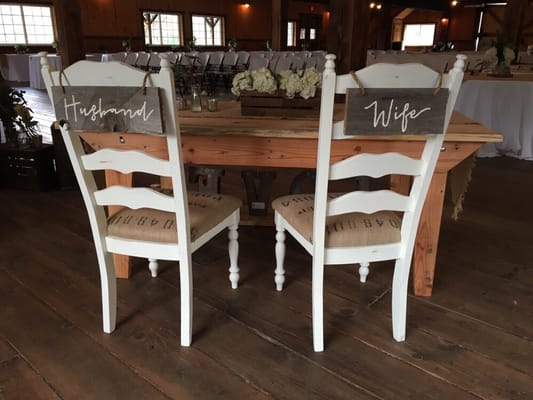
(473, 339)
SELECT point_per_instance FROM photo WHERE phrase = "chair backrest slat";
(134, 198)
(125, 161)
(368, 202)
(375, 166)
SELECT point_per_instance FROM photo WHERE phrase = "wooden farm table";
(226, 138)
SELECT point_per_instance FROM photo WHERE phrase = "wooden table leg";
(427, 238)
(122, 262)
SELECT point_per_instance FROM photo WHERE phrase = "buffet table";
(504, 105)
(14, 67)
(225, 137)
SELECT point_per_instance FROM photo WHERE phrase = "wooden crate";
(264, 104)
(27, 167)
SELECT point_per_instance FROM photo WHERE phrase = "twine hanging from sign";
(61, 73)
(362, 88)
(145, 79)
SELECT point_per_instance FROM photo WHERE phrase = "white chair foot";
(233, 249)
(153, 265)
(279, 273)
(363, 272)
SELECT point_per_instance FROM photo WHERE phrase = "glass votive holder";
(181, 103)
(212, 104)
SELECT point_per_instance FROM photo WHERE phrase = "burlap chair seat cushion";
(206, 210)
(355, 229)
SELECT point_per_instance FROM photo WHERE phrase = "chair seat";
(206, 210)
(346, 230)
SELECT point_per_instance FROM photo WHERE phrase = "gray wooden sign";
(394, 111)
(109, 109)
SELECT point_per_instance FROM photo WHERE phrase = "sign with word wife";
(109, 109)
(395, 111)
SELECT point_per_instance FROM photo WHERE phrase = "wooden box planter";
(263, 104)
(27, 167)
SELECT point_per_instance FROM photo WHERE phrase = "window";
(208, 30)
(162, 29)
(291, 34)
(26, 24)
(418, 34)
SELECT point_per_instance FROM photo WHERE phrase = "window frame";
(222, 22)
(291, 41)
(148, 41)
(25, 25)
(419, 25)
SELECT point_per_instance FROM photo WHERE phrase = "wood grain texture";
(471, 339)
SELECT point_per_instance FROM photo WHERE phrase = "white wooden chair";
(315, 220)
(192, 217)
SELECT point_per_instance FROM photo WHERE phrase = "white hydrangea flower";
(241, 81)
(491, 55)
(508, 55)
(264, 81)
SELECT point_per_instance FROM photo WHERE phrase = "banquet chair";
(363, 226)
(151, 222)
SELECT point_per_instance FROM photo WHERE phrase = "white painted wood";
(368, 202)
(126, 161)
(375, 166)
(375, 76)
(134, 198)
(85, 73)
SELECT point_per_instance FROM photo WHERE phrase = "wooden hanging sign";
(109, 109)
(395, 111)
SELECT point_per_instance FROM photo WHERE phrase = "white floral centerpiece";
(302, 82)
(501, 52)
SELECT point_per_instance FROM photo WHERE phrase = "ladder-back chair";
(153, 223)
(364, 226)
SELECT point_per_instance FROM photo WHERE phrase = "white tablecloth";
(503, 106)
(14, 67)
(36, 78)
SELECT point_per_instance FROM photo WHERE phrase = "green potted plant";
(21, 49)
(16, 116)
(232, 44)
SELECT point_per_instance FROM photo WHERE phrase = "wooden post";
(348, 33)
(513, 23)
(70, 38)
(277, 12)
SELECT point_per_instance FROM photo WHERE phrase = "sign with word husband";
(395, 111)
(109, 109)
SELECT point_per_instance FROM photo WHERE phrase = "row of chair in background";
(209, 69)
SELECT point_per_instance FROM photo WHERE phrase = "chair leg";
(363, 271)
(233, 249)
(399, 298)
(153, 266)
(279, 273)
(186, 300)
(108, 283)
(318, 305)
